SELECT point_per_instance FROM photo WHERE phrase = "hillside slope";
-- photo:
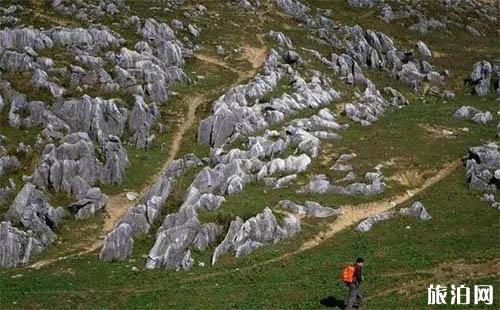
(238, 154)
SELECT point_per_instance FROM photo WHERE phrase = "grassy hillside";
(459, 245)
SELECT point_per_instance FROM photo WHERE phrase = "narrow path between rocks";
(118, 204)
(351, 214)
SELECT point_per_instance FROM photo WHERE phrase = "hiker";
(351, 275)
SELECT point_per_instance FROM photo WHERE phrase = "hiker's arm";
(358, 276)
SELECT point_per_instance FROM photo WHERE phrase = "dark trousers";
(354, 296)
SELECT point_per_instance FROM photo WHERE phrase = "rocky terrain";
(227, 140)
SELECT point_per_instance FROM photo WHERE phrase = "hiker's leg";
(359, 297)
(353, 293)
(348, 294)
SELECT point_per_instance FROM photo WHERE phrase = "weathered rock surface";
(481, 78)
(483, 167)
(417, 210)
(24, 113)
(98, 117)
(75, 157)
(468, 112)
(319, 184)
(368, 223)
(8, 164)
(245, 237)
(141, 217)
(118, 245)
(310, 208)
(31, 210)
(16, 246)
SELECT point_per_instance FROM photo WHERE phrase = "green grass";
(300, 281)
(462, 228)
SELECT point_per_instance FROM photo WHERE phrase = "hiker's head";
(360, 262)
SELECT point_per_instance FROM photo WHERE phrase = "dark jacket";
(357, 274)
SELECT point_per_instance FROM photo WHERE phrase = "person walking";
(352, 277)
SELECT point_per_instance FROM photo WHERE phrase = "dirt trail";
(353, 214)
(118, 204)
(39, 8)
(448, 272)
(350, 216)
(256, 56)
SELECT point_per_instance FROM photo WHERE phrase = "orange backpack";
(348, 274)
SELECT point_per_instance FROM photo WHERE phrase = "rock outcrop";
(483, 167)
(245, 237)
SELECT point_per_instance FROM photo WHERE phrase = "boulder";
(368, 223)
(245, 237)
(8, 164)
(31, 209)
(482, 167)
(89, 203)
(468, 112)
(118, 244)
(24, 113)
(417, 210)
(310, 208)
(281, 39)
(16, 246)
(423, 50)
(98, 117)
(481, 78)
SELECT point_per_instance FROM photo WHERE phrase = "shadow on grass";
(332, 302)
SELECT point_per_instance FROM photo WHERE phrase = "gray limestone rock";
(281, 39)
(118, 244)
(368, 223)
(481, 167)
(98, 117)
(468, 112)
(423, 50)
(16, 246)
(310, 208)
(31, 209)
(417, 210)
(8, 164)
(481, 78)
(245, 237)
(24, 113)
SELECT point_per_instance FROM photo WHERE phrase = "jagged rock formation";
(367, 224)
(80, 128)
(245, 237)
(417, 210)
(17, 247)
(468, 112)
(483, 167)
(481, 78)
(118, 243)
(319, 184)
(236, 112)
(7, 164)
(310, 208)
(365, 49)
(30, 210)
(63, 167)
